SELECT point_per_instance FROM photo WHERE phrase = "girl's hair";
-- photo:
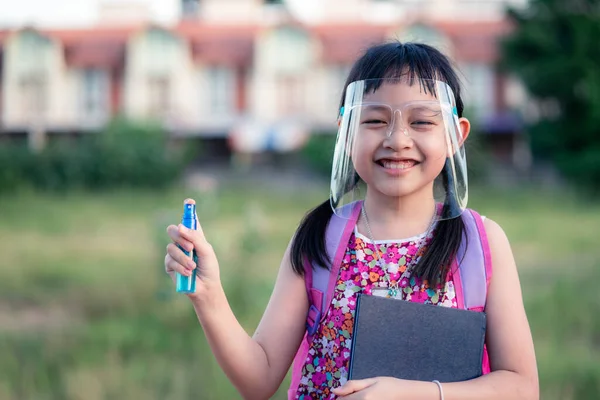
(392, 60)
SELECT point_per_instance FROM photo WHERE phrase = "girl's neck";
(398, 217)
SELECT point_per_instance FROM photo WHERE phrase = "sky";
(63, 13)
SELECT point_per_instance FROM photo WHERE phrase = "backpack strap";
(471, 278)
(320, 282)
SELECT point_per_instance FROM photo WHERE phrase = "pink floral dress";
(326, 365)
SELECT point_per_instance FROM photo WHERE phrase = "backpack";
(470, 272)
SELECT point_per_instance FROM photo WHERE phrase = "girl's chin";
(404, 189)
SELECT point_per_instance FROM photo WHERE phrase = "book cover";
(415, 341)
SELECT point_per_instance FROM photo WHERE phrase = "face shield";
(381, 119)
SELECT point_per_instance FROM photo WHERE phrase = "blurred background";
(113, 112)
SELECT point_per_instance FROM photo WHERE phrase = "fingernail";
(191, 265)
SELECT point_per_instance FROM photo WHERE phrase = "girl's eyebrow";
(377, 107)
(425, 108)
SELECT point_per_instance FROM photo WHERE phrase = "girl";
(399, 172)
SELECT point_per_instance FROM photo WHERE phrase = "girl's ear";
(465, 128)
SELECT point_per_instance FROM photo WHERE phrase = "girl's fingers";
(173, 266)
(180, 257)
(196, 237)
(353, 386)
(173, 232)
(168, 268)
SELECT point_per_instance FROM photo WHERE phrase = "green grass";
(86, 311)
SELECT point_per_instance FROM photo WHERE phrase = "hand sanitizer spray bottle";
(187, 284)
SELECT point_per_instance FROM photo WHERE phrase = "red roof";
(94, 34)
(475, 41)
(219, 44)
(99, 53)
(472, 41)
(3, 35)
(104, 46)
(230, 51)
(101, 47)
(343, 43)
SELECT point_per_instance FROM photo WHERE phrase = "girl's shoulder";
(494, 232)
(499, 246)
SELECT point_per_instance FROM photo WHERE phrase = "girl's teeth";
(398, 164)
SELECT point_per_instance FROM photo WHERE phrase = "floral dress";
(326, 365)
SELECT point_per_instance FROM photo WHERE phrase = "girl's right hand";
(207, 276)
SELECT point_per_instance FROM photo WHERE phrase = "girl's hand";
(387, 388)
(207, 276)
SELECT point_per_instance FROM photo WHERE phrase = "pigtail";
(309, 240)
(437, 260)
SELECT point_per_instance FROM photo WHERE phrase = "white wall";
(167, 59)
(45, 60)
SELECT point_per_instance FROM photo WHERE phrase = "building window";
(32, 60)
(34, 98)
(290, 96)
(161, 48)
(221, 90)
(33, 51)
(158, 97)
(94, 94)
(289, 51)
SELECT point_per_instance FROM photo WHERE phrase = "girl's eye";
(374, 122)
(422, 125)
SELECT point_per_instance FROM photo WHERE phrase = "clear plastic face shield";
(398, 137)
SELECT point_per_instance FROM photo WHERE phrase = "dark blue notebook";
(415, 341)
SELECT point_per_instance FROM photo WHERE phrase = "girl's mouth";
(397, 164)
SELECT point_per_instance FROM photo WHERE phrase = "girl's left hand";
(386, 388)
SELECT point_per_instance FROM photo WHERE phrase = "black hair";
(394, 60)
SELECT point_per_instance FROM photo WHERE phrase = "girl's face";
(400, 146)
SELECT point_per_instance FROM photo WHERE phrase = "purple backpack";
(471, 277)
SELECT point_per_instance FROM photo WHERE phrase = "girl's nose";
(398, 135)
(397, 124)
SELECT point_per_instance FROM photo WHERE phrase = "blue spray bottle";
(187, 284)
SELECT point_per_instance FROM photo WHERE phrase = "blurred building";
(239, 68)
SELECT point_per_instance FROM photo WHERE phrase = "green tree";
(555, 50)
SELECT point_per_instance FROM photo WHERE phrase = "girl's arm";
(509, 343)
(255, 365)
